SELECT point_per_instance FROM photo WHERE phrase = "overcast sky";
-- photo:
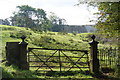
(74, 15)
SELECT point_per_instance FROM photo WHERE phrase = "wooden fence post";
(23, 54)
(94, 61)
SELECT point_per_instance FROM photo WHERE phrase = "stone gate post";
(94, 61)
(16, 53)
(12, 53)
(23, 54)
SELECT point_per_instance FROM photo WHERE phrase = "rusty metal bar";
(60, 61)
(58, 49)
(88, 62)
(58, 56)
(42, 61)
(72, 61)
(59, 66)
(76, 62)
(48, 58)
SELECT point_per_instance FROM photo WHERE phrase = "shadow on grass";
(99, 76)
(62, 73)
(6, 74)
(102, 76)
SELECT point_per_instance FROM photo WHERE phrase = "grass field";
(51, 40)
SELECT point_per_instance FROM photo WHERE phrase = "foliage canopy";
(27, 16)
(108, 20)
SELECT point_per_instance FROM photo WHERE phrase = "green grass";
(45, 39)
(56, 40)
(41, 39)
(14, 72)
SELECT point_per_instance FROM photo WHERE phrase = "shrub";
(62, 33)
(74, 33)
(18, 34)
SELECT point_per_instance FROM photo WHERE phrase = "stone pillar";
(16, 53)
(23, 54)
(12, 53)
(94, 61)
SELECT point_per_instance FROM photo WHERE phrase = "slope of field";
(55, 40)
(48, 39)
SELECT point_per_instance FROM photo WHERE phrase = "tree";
(23, 17)
(26, 10)
(6, 22)
(27, 16)
(41, 19)
(53, 18)
(56, 22)
(108, 22)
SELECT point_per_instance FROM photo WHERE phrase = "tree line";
(34, 18)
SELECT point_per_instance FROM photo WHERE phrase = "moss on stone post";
(94, 61)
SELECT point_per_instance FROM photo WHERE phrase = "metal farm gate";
(43, 59)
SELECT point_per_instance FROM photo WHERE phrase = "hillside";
(40, 39)
(45, 39)
(51, 40)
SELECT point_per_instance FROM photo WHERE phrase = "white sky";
(74, 15)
